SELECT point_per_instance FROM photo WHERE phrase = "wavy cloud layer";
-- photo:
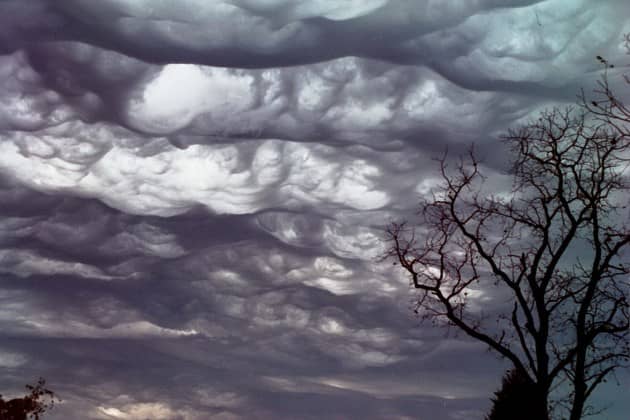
(193, 194)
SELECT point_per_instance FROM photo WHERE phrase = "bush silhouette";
(516, 400)
(31, 406)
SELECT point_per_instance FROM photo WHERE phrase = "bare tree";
(550, 256)
(607, 106)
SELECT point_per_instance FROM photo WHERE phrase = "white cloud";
(180, 92)
(11, 360)
(140, 411)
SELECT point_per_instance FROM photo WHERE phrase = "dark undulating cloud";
(193, 195)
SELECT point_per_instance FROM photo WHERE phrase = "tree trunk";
(578, 401)
(542, 409)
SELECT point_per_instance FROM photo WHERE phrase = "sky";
(193, 195)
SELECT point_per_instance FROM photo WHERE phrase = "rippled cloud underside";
(193, 194)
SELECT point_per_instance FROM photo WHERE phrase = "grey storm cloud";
(193, 194)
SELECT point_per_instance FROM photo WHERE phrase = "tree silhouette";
(551, 253)
(514, 400)
(31, 406)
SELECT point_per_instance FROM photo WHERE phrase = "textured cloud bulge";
(193, 194)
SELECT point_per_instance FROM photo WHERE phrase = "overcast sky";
(193, 192)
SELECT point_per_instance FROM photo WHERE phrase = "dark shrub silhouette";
(31, 406)
(516, 400)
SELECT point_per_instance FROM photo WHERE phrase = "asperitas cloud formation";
(193, 194)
